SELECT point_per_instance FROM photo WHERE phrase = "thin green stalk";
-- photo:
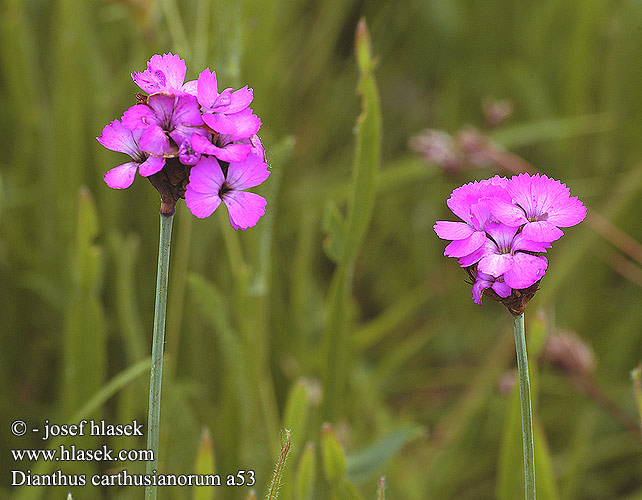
(525, 400)
(156, 375)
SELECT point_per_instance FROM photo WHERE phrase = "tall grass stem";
(525, 403)
(156, 373)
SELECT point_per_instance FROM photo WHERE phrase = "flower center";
(225, 188)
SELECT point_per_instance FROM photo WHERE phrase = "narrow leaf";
(345, 490)
(368, 462)
(334, 459)
(306, 473)
(334, 227)
(367, 152)
(295, 415)
(85, 341)
(205, 464)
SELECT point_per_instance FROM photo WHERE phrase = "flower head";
(177, 135)
(507, 225)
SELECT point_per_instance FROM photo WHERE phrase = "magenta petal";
(247, 124)
(229, 153)
(190, 87)
(166, 72)
(527, 270)
(460, 202)
(222, 124)
(200, 204)
(206, 176)
(541, 231)
(162, 105)
(519, 188)
(464, 197)
(117, 137)
(201, 144)
(232, 152)
(448, 230)
(567, 213)
(521, 243)
(496, 264)
(207, 88)
(257, 147)
(238, 101)
(509, 214)
(478, 290)
(172, 67)
(474, 257)
(154, 141)
(461, 248)
(245, 209)
(502, 289)
(151, 166)
(247, 174)
(122, 176)
(185, 112)
(139, 116)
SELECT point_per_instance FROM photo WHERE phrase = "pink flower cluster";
(507, 225)
(212, 134)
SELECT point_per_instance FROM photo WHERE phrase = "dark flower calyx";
(516, 302)
(171, 183)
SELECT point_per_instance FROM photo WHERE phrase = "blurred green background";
(261, 323)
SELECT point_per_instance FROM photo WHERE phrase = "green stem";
(525, 401)
(156, 375)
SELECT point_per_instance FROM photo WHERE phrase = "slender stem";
(156, 375)
(525, 400)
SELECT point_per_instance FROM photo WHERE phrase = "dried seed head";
(507, 382)
(568, 353)
(439, 148)
(496, 111)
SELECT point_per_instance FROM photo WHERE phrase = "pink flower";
(506, 227)
(181, 132)
(164, 73)
(117, 137)
(541, 205)
(209, 186)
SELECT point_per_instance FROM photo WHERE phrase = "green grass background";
(273, 328)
